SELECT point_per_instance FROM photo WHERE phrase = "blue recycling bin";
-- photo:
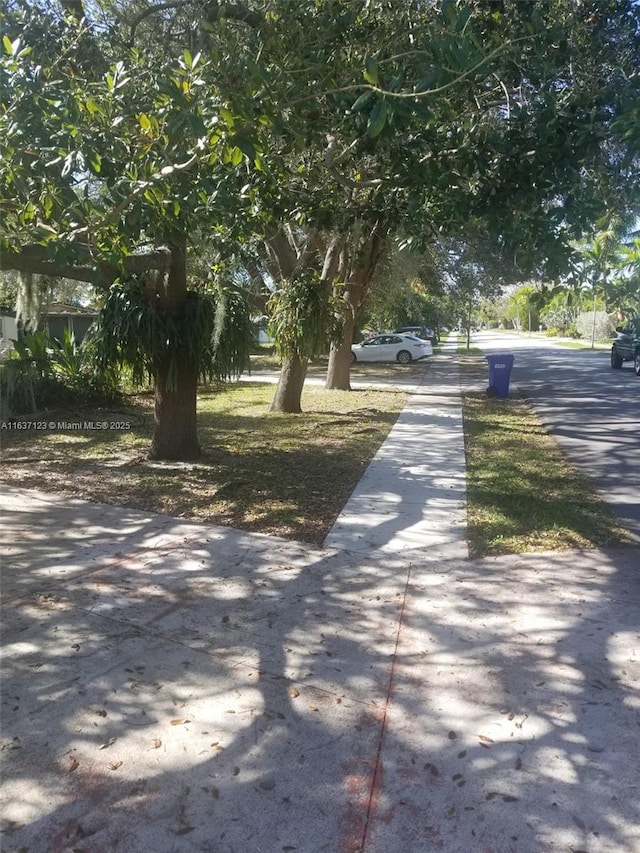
(500, 365)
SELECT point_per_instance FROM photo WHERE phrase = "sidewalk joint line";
(387, 703)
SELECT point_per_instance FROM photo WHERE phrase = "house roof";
(62, 309)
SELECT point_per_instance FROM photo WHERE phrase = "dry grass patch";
(282, 474)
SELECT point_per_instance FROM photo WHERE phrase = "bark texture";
(339, 368)
(290, 384)
(286, 256)
(175, 433)
(358, 265)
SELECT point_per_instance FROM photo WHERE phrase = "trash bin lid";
(496, 359)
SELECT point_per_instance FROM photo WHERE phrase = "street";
(592, 410)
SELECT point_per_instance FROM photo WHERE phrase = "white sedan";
(402, 348)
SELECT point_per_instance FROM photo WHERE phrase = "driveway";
(591, 410)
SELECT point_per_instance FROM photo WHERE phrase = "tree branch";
(368, 87)
(212, 11)
(39, 261)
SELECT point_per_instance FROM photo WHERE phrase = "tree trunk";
(339, 369)
(362, 267)
(175, 434)
(290, 385)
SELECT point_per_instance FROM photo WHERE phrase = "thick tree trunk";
(361, 267)
(175, 434)
(290, 384)
(339, 369)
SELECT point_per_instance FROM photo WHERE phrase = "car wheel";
(404, 357)
(353, 358)
(616, 360)
(636, 362)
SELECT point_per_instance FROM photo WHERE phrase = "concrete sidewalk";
(172, 687)
(413, 493)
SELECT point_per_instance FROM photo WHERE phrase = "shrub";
(42, 373)
(604, 325)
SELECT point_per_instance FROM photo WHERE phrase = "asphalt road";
(592, 410)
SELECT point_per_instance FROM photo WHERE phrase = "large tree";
(346, 119)
(111, 158)
(504, 118)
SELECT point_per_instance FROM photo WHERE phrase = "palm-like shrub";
(44, 372)
(305, 317)
(210, 332)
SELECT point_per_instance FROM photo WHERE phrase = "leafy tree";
(504, 117)
(471, 277)
(526, 304)
(560, 313)
(8, 290)
(303, 322)
(105, 174)
(343, 119)
(405, 290)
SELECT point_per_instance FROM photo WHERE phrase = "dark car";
(423, 332)
(626, 346)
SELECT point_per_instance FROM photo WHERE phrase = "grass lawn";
(600, 346)
(281, 474)
(291, 475)
(523, 494)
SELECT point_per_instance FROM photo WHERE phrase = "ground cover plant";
(523, 494)
(279, 474)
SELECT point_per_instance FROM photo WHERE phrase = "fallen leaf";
(486, 739)
(109, 743)
(114, 765)
(177, 722)
(73, 764)
(157, 743)
(313, 708)
(294, 693)
(101, 713)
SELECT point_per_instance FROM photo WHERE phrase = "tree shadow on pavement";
(513, 723)
(171, 687)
